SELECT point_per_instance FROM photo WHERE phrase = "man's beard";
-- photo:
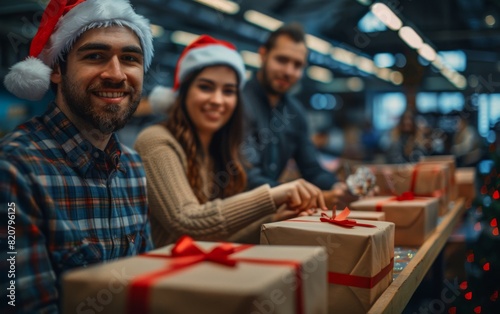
(108, 121)
(266, 82)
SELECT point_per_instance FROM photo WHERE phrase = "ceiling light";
(384, 74)
(251, 58)
(411, 37)
(438, 63)
(384, 14)
(396, 77)
(262, 20)
(355, 84)
(427, 52)
(365, 64)
(318, 44)
(183, 38)
(384, 59)
(225, 6)
(365, 2)
(489, 20)
(343, 55)
(447, 72)
(460, 82)
(319, 74)
(157, 30)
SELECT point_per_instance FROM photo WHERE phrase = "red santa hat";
(204, 51)
(63, 21)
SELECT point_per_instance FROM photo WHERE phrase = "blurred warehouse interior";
(369, 61)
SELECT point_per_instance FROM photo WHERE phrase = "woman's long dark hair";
(228, 177)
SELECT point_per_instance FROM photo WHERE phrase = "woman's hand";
(298, 195)
(284, 213)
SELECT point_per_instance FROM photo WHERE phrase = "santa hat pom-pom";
(161, 98)
(28, 79)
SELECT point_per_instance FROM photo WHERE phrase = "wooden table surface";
(398, 294)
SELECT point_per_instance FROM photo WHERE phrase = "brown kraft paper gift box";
(358, 214)
(466, 182)
(427, 180)
(450, 161)
(264, 279)
(415, 219)
(354, 254)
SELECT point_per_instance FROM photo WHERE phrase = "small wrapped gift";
(415, 217)
(358, 214)
(204, 277)
(450, 161)
(360, 255)
(421, 179)
(465, 178)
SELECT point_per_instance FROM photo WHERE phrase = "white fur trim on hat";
(30, 79)
(211, 55)
(95, 14)
(161, 98)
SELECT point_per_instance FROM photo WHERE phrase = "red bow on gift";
(341, 219)
(186, 253)
(406, 196)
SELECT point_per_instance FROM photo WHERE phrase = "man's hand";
(339, 196)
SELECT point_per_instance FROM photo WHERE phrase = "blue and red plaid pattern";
(75, 205)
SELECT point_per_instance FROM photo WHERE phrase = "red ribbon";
(186, 253)
(341, 220)
(436, 193)
(347, 279)
(360, 281)
(405, 196)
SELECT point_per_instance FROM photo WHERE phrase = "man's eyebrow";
(94, 46)
(101, 46)
(133, 49)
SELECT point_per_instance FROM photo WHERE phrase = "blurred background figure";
(370, 139)
(408, 140)
(353, 146)
(466, 143)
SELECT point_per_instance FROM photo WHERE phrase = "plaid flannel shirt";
(74, 205)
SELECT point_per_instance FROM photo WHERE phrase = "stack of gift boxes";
(336, 262)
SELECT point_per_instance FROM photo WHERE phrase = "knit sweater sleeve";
(173, 204)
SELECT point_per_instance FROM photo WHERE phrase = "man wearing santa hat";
(74, 195)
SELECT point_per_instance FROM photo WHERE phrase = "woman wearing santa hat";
(193, 166)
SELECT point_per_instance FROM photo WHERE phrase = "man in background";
(276, 127)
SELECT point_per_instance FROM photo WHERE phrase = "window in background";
(439, 102)
(455, 59)
(387, 108)
(427, 102)
(488, 112)
(320, 101)
(447, 102)
(482, 117)
(494, 109)
(384, 60)
(370, 23)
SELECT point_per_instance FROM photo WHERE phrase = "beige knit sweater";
(176, 211)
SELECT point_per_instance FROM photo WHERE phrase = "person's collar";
(80, 153)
